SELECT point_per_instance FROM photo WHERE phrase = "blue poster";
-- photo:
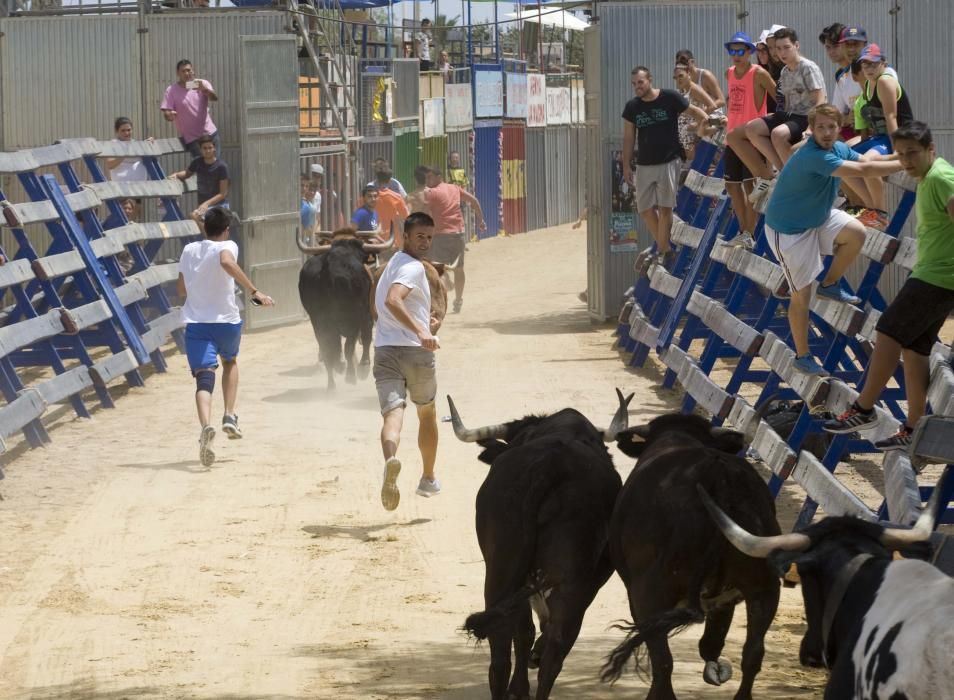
(488, 94)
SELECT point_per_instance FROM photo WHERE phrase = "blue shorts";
(205, 342)
(879, 144)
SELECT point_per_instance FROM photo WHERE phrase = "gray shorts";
(401, 370)
(657, 185)
(448, 248)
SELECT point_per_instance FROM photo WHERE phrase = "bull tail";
(482, 624)
(665, 624)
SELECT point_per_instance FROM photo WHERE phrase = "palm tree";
(440, 27)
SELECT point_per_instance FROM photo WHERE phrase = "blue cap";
(741, 38)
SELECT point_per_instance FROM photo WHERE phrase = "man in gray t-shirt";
(774, 136)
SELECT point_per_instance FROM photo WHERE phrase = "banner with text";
(536, 100)
(558, 105)
(517, 95)
(432, 117)
(488, 91)
(458, 107)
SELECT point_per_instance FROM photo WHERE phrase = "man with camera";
(186, 103)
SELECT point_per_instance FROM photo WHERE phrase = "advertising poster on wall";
(458, 107)
(622, 218)
(433, 117)
(558, 105)
(488, 91)
(536, 100)
(516, 95)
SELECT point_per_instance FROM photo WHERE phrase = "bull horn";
(311, 249)
(753, 545)
(378, 247)
(621, 420)
(463, 434)
(896, 539)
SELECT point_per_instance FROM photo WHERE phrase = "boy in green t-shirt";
(909, 326)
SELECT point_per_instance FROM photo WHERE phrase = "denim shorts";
(400, 371)
(206, 342)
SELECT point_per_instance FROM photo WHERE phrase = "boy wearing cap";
(908, 328)
(749, 87)
(801, 226)
(803, 87)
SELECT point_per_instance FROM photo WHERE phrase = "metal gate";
(268, 122)
(487, 183)
(514, 178)
(407, 154)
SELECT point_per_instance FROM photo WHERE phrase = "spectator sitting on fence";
(445, 67)
(767, 59)
(365, 217)
(695, 95)
(749, 88)
(308, 213)
(392, 209)
(208, 271)
(651, 119)
(456, 175)
(908, 328)
(773, 136)
(845, 91)
(422, 45)
(885, 108)
(417, 200)
(702, 77)
(444, 201)
(212, 180)
(801, 225)
(393, 184)
(186, 103)
(126, 169)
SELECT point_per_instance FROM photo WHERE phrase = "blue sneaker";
(806, 364)
(836, 293)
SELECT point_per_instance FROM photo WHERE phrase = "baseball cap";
(740, 38)
(774, 28)
(317, 169)
(872, 54)
(853, 34)
(763, 37)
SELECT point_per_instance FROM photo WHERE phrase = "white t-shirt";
(210, 291)
(409, 272)
(129, 170)
(316, 200)
(423, 46)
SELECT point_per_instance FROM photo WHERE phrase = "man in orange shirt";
(391, 207)
(444, 200)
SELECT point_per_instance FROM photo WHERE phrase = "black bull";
(542, 518)
(677, 568)
(335, 288)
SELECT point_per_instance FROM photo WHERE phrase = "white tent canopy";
(556, 18)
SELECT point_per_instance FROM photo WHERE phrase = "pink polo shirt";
(192, 111)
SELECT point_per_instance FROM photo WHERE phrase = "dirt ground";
(129, 571)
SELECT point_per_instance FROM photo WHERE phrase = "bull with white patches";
(883, 626)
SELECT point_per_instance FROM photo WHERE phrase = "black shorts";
(916, 315)
(796, 123)
(426, 65)
(734, 169)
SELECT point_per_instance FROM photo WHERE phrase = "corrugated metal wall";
(434, 152)
(335, 203)
(371, 150)
(559, 164)
(406, 153)
(536, 150)
(487, 182)
(514, 177)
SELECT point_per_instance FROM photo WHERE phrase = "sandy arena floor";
(129, 571)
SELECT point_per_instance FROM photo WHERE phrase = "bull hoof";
(717, 673)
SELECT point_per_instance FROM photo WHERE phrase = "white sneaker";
(758, 192)
(741, 240)
(428, 488)
(390, 493)
(206, 452)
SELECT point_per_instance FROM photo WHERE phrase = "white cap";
(317, 169)
(763, 37)
(775, 27)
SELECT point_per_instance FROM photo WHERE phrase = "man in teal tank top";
(908, 328)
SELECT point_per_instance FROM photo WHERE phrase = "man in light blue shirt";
(801, 225)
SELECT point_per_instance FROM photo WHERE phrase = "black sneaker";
(901, 440)
(851, 420)
(230, 426)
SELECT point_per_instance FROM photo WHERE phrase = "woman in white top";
(125, 169)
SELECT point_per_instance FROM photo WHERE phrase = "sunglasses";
(736, 52)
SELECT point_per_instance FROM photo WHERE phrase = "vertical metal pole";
(496, 32)
(387, 31)
(470, 35)
(540, 37)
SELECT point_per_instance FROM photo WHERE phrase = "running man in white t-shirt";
(208, 271)
(404, 345)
